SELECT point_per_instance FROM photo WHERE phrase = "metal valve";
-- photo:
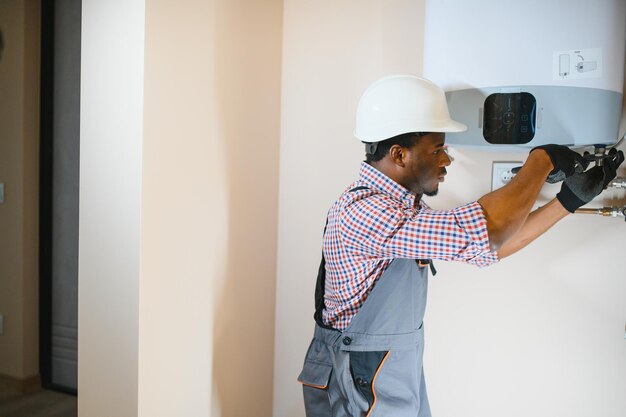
(605, 211)
(619, 182)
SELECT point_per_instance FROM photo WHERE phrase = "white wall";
(542, 332)
(110, 201)
(538, 334)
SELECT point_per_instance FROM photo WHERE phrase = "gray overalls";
(374, 367)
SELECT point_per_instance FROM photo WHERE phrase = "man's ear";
(398, 155)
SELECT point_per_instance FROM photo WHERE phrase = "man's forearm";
(536, 224)
(507, 208)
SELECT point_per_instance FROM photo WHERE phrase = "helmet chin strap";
(370, 148)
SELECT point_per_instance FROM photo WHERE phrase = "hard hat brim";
(444, 126)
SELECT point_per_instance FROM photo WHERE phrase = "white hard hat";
(399, 104)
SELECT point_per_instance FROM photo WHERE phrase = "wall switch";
(501, 173)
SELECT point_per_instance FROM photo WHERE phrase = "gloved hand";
(579, 189)
(566, 162)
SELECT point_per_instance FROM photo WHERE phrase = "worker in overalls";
(380, 241)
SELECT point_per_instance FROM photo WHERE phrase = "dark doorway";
(59, 175)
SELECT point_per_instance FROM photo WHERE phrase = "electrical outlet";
(501, 173)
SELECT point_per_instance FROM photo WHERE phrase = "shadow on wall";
(248, 38)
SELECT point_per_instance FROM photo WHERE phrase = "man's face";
(426, 164)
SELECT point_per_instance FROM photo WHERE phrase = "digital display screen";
(509, 118)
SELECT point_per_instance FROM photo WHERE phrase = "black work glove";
(566, 162)
(579, 189)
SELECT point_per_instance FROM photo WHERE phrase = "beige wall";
(179, 188)
(331, 52)
(209, 204)
(541, 333)
(19, 139)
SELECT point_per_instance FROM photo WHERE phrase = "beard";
(432, 193)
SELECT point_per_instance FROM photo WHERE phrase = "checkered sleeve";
(379, 228)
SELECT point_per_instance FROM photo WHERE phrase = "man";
(380, 239)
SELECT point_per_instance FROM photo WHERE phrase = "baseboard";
(23, 385)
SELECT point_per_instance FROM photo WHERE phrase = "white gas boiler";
(527, 73)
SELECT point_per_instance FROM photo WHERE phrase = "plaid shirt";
(369, 227)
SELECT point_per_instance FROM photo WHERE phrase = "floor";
(41, 403)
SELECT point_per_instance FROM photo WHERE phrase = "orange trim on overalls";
(373, 381)
(314, 386)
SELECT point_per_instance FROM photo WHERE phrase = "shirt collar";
(376, 179)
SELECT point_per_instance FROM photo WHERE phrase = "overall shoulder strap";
(319, 291)
(320, 285)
